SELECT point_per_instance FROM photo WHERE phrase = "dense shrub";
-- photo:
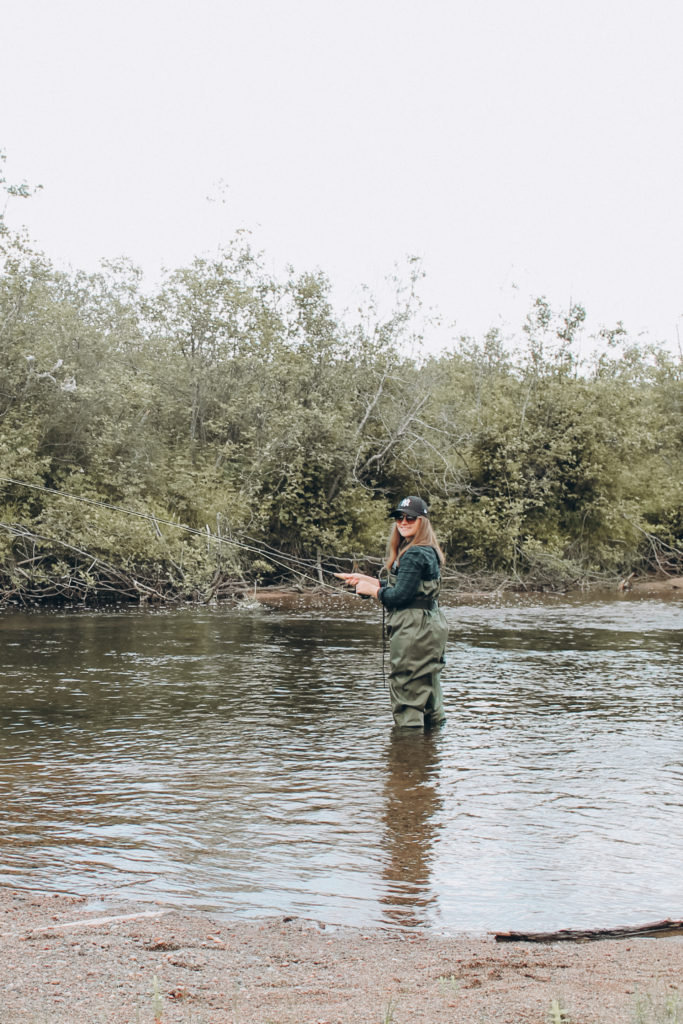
(229, 400)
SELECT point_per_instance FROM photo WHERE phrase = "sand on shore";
(62, 962)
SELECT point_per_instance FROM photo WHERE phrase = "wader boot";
(417, 645)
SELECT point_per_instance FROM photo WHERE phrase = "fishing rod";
(180, 526)
(207, 536)
(308, 562)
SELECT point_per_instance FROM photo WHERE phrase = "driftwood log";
(654, 930)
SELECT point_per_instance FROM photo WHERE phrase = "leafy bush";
(243, 405)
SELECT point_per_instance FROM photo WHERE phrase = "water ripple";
(247, 763)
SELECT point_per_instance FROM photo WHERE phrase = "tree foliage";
(229, 400)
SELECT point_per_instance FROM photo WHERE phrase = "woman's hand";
(366, 585)
(352, 579)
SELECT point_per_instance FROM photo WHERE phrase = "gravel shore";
(65, 960)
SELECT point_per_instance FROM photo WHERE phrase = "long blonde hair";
(424, 538)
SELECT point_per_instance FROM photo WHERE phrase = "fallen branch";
(656, 929)
(95, 922)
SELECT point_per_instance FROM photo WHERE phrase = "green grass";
(157, 1003)
(389, 1009)
(449, 987)
(557, 1014)
(664, 1005)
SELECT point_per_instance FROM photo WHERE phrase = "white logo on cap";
(406, 501)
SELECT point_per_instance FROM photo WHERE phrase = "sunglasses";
(407, 519)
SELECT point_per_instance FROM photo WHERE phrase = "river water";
(243, 760)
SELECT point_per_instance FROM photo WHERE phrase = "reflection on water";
(411, 803)
(246, 761)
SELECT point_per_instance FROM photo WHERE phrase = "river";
(242, 760)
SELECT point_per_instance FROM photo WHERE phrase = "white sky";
(521, 147)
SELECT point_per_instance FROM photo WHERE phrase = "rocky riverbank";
(65, 959)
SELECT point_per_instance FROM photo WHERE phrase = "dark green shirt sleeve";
(416, 564)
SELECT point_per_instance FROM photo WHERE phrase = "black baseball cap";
(411, 506)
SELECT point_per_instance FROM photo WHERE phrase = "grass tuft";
(557, 1013)
(157, 1004)
(236, 1001)
(389, 1009)
(662, 1006)
(449, 987)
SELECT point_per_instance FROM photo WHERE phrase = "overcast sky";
(521, 147)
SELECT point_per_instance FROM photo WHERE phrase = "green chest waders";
(417, 644)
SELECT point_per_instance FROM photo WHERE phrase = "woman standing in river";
(416, 625)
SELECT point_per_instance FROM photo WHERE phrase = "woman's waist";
(422, 601)
(419, 603)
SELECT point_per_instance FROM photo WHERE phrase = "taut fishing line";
(206, 536)
(187, 529)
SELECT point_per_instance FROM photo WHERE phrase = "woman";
(416, 625)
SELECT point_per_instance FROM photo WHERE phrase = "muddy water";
(244, 760)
